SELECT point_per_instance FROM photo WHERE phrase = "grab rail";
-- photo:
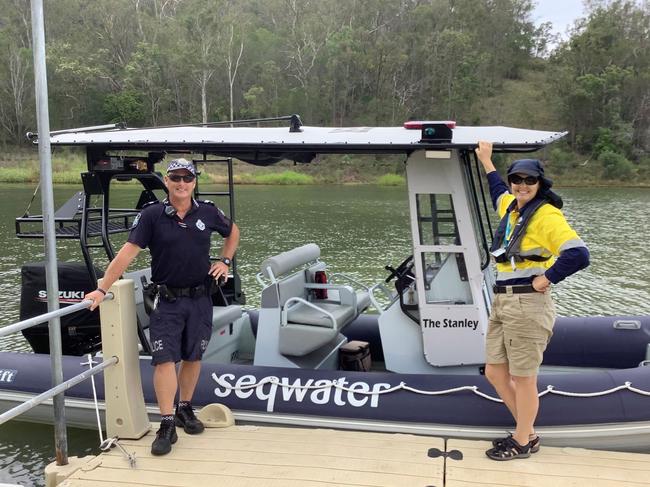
(50, 393)
(62, 450)
(285, 316)
(350, 279)
(375, 303)
(35, 320)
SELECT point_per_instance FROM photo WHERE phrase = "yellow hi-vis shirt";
(547, 234)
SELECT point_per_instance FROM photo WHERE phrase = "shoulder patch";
(136, 220)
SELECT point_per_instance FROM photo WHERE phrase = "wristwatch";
(225, 260)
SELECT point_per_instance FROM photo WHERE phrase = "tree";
(16, 87)
(603, 75)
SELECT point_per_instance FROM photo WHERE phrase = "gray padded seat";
(302, 328)
(299, 340)
(363, 301)
(301, 313)
(224, 315)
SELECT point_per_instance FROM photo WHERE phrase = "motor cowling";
(80, 331)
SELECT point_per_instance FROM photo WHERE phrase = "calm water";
(359, 230)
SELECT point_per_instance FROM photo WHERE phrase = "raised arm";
(497, 186)
(484, 154)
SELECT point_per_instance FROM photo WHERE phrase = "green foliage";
(370, 62)
(67, 167)
(614, 139)
(644, 168)
(283, 178)
(601, 75)
(391, 180)
(616, 166)
(560, 161)
(125, 106)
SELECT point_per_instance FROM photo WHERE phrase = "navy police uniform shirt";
(180, 249)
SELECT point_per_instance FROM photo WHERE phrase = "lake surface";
(360, 229)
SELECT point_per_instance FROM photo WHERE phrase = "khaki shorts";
(520, 327)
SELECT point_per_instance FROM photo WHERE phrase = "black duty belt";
(170, 292)
(521, 289)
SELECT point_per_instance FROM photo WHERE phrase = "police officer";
(534, 247)
(177, 232)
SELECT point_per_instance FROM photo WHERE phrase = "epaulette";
(149, 203)
(207, 202)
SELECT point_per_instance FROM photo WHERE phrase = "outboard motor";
(80, 331)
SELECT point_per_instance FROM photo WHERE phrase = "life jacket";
(513, 249)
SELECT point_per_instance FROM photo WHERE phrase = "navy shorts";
(180, 330)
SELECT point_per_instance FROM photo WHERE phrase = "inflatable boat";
(405, 354)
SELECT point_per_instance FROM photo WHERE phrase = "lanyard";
(506, 238)
(509, 232)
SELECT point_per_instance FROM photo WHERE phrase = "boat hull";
(412, 403)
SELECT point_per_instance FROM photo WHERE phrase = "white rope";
(627, 385)
(550, 389)
(90, 364)
(106, 444)
(638, 391)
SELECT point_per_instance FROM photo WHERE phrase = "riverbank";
(67, 165)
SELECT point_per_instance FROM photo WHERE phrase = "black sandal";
(534, 442)
(509, 450)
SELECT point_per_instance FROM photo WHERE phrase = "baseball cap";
(177, 164)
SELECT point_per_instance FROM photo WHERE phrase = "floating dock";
(261, 456)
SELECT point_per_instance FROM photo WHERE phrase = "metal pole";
(47, 199)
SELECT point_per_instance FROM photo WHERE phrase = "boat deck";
(298, 457)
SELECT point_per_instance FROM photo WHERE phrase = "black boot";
(165, 437)
(186, 418)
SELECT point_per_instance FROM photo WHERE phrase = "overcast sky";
(561, 13)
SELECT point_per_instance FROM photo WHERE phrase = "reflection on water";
(615, 224)
(359, 230)
(26, 449)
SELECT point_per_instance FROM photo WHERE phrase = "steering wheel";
(401, 270)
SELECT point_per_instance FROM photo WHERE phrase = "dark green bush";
(616, 166)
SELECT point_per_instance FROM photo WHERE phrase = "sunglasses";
(188, 178)
(528, 180)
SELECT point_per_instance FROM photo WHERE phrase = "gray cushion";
(292, 287)
(363, 301)
(303, 314)
(223, 315)
(299, 340)
(282, 263)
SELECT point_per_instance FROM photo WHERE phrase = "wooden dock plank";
(272, 457)
(398, 447)
(247, 456)
(295, 436)
(222, 481)
(200, 457)
(551, 466)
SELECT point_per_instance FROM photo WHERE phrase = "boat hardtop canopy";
(266, 145)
